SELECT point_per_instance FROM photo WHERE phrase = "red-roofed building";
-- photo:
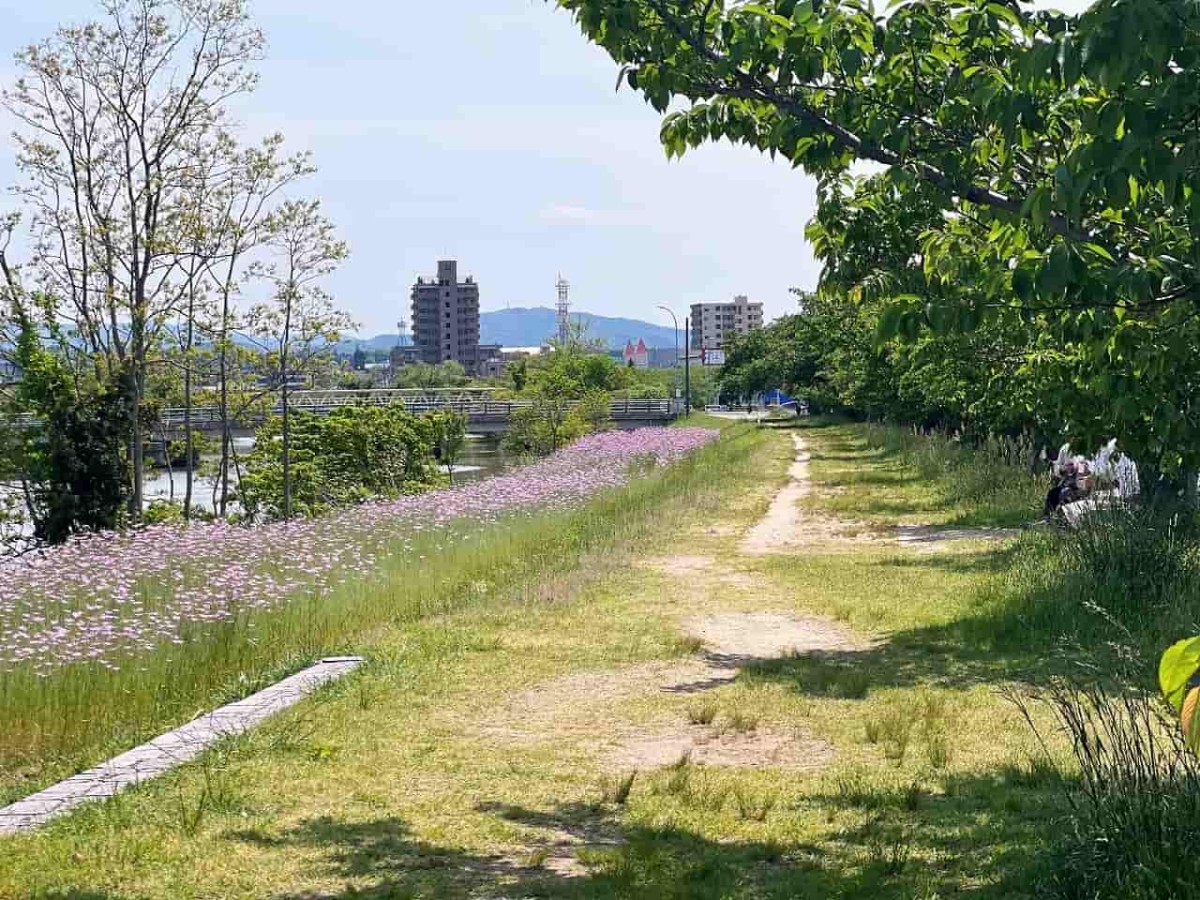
(638, 356)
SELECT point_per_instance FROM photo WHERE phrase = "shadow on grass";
(958, 655)
(980, 833)
(967, 494)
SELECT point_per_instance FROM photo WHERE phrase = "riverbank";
(784, 667)
(111, 641)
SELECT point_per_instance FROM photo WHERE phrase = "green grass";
(55, 726)
(886, 474)
(422, 776)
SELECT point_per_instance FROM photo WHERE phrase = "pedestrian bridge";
(484, 413)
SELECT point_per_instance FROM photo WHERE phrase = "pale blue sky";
(489, 130)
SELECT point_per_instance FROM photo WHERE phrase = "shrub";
(352, 454)
(1135, 819)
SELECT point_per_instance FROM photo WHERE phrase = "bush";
(169, 512)
(555, 420)
(1135, 819)
(351, 455)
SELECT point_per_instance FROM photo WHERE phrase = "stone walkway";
(171, 749)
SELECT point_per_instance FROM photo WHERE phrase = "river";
(481, 457)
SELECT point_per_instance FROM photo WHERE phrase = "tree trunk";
(287, 447)
(138, 448)
(223, 473)
(167, 459)
(188, 438)
(287, 461)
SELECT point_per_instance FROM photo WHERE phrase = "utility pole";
(675, 383)
(687, 367)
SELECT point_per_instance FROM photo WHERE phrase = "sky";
(489, 131)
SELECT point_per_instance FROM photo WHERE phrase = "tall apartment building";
(445, 319)
(714, 323)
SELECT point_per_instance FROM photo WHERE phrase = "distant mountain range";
(523, 327)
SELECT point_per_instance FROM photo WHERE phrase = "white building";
(714, 323)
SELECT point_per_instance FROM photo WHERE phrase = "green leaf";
(852, 59)
(1056, 273)
(889, 321)
(1176, 668)
(1004, 13)
(1022, 283)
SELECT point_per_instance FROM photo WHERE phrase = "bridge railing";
(474, 409)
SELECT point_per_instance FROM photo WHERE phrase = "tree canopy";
(1041, 168)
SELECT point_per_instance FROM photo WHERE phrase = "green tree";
(300, 326)
(448, 430)
(1059, 153)
(351, 455)
(448, 374)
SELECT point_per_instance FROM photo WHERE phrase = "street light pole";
(687, 367)
(669, 312)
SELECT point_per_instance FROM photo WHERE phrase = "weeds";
(752, 808)
(702, 712)
(933, 730)
(1136, 802)
(679, 775)
(616, 790)
(890, 852)
(872, 731)
(215, 795)
(893, 731)
(739, 722)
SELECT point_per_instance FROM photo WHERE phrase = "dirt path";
(652, 716)
(589, 706)
(782, 527)
(789, 525)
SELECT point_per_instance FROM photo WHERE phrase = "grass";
(419, 777)
(52, 727)
(887, 474)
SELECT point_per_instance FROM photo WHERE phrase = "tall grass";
(991, 478)
(1112, 595)
(53, 725)
(1127, 582)
(1135, 803)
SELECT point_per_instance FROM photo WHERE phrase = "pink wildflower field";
(104, 598)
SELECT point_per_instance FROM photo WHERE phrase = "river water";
(481, 457)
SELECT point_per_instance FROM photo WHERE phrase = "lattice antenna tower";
(564, 310)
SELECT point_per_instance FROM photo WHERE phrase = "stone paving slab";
(171, 749)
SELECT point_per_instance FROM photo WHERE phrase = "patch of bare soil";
(930, 538)
(578, 704)
(583, 706)
(734, 639)
(788, 525)
(692, 567)
(683, 566)
(709, 746)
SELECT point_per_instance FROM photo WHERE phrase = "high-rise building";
(445, 319)
(714, 323)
